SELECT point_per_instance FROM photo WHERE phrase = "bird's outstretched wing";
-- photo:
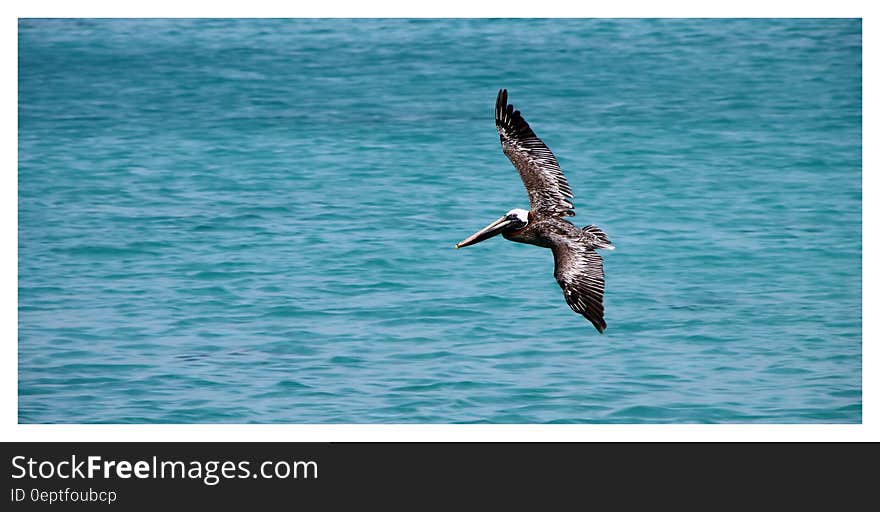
(579, 273)
(548, 190)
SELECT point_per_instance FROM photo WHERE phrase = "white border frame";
(11, 430)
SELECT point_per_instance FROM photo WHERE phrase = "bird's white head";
(519, 214)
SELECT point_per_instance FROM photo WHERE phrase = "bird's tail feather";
(599, 238)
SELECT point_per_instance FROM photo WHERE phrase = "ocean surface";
(253, 221)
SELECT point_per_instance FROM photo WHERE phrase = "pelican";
(578, 266)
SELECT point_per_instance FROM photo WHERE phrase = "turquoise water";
(253, 221)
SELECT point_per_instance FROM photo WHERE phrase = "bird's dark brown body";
(547, 231)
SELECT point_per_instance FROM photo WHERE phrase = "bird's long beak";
(485, 233)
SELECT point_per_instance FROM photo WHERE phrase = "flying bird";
(578, 266)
